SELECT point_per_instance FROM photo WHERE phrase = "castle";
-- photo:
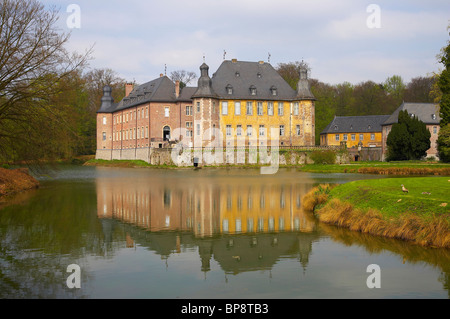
(243, 104)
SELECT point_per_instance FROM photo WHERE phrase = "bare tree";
(33, 60)
(185, 77)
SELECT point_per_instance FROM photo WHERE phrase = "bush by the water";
(323, 157)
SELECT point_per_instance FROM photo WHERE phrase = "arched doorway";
(166, 133)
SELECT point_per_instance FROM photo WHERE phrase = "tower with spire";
(206, 111)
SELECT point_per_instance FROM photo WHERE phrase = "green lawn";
(386, 195)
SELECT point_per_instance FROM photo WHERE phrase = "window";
(281, 130)
(434, 129)
(229, 89)
(372, 137)
(166, 112)
(198, 107)
(249, 108)
(337, 137)
(260, 108)
(274, 90)
(361, 137)
(239, 130)
(104, 120)
(228, 130)
(261, 130)
(198, 129)
(249, 130)
(269, 108)
(280, 108)
(188, 110)
(298, 130)
(224, 108)
(146, 132)
(296, 108)
(104, 136)
(353, 137)
(138, 133)
(237, 108)
(345, 138)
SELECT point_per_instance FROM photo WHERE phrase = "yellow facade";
(294, 126)
(373, 139)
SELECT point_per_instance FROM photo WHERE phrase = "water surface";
(209, 233)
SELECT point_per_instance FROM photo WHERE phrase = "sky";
(342, 41)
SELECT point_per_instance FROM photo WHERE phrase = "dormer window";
(253, 90)
(370, 127)
(237, 74)
(259, 75)
(273, 89)
(335, 127)
(433, 116)
(229, 89)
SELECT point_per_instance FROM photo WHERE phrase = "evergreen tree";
(409, 139)
(444, 104)
(444, 144)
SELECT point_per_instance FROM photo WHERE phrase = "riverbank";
(382, 168)
(381, 208)
(15, 181)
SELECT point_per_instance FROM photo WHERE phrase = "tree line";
(48, 95)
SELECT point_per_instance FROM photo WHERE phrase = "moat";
(209, 233)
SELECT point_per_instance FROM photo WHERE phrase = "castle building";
(354, 131)
(242, 104)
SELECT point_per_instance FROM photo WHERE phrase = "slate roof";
(426, 112)
(161, 89)
(241, 75)
(357, 124)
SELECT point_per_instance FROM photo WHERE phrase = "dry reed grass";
(317, 196)
(433, 231)
(405, 170)
(426, 231)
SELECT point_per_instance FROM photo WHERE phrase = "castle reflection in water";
(206, 206)
(250, 219)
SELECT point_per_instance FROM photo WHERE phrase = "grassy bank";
(385, 168)
(379, 207)
(15, 180)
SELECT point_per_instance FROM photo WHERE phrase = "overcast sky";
(345, 40)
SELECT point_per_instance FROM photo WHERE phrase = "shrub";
(323, 157)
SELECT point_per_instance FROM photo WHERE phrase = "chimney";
(128, 89)
(177, 89)
(161, 75)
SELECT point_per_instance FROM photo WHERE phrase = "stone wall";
(185, 158)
